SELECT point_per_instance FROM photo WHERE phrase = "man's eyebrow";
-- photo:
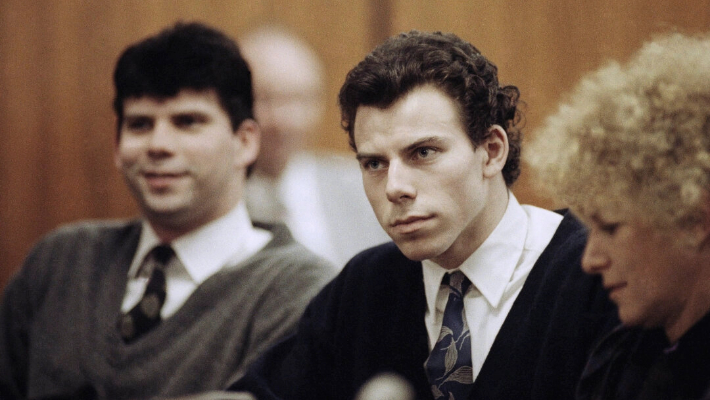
(189, 111)
(362, 156)
(424, 141)
(136, 115)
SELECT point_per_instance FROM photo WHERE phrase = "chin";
(415, 250)
(630, 318)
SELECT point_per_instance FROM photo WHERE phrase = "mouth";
(409, 224)
(161, 180)
(614, 288)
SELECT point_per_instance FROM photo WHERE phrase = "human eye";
(371, 164)
(423, 152)
(138, 124)
(189, 120)
(605, 226)
(608, 228)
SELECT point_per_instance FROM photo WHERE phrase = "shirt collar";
(207, 249)
(492, 265)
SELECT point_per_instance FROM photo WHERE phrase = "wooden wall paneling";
(21, 144)
(342, 45)
(65, 182)
(381, 21)
(100, 39)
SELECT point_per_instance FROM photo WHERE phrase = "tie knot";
(162, 253)
(457, 281)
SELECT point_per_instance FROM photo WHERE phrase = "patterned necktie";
(449, 367)
(146, 314)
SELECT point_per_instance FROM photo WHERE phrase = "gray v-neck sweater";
(58, 332)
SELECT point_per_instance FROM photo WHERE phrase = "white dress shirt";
(497, 269)
(305, 216)
(222, 243)
(321, 199)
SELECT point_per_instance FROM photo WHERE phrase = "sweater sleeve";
(20, 300)
(51, 264)
(284, 300)
(293, 368)
(366, 321)
(14, 325)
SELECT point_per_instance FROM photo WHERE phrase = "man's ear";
(116, 156)
(248, 142)
(496, 147)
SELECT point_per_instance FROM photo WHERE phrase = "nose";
(161, 140)
(595, 258)
(400, 186)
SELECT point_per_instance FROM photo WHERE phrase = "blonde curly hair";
(635, 138)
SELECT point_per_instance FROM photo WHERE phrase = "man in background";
(182, 299)
(318, 195)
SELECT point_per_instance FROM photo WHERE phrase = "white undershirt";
(498, 269)
(222, 243)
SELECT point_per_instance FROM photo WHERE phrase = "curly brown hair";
(413, 59)
(634, 139)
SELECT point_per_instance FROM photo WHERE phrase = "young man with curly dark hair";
(477, 296)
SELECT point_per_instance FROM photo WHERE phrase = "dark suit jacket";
(370, 319)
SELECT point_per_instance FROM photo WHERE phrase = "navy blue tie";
(449, 367)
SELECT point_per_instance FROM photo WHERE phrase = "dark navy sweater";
(370, 319)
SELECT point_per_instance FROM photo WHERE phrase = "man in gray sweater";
(183, 299)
